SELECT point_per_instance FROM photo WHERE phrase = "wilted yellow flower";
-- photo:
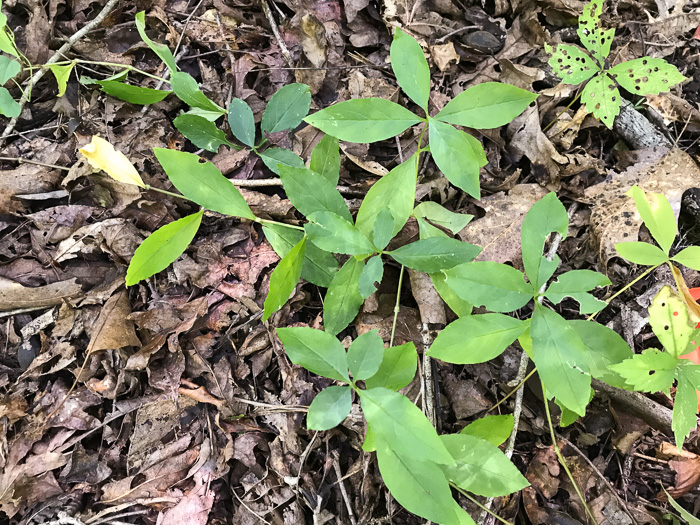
(102, 155)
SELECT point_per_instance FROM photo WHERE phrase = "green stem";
(268, 221)
(528, 376)
(561, 457)
(563, 111)
(482, 507)
(396, 308)
(106, 64)
(609, 299)
(166, 192)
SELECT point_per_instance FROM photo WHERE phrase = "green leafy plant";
(641, 76)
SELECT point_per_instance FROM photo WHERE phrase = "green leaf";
(62, 74)
(398, 368)
(486, 106)
(435, 254)
(668, 317)
(8, 106)
(454, 222)
(687, 516)
(273, 157)
(310, 192)
(546, 216)
(458, 155)
(132, 94)
(325, 159)
(576, 284)
(242, 122)
(284, 279)
(329, 408)
(162, 247)
(10, 68)
(394, 419)
(590, 32)
(488, 336)
(560, 357)
(330, 232)
(7, 41)
(201, 132)
(394, 192)
(428, 231)
(419, 486)
(187, 90)
(363, 120)
(372, 273)
(482, 468)
(604, 347)
(571, 64)
(602, 99)
(317, 351)
(641, 253)
(494, 429)
(161, 50)
(657, 215)
(498, 287)
(459, 306)
(286, 108)
(685, 405)
(646, 76)
(411, 68)
(365, 355)
(650, 371)
(383, 230)
(319, 266)
(203, 183)
(343, 298)
(689, 257)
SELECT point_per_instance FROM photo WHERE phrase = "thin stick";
(20, 160)
(275, 31)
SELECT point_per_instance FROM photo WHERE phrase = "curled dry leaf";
(102, 155)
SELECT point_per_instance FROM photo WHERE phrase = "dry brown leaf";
(443, 55)
(14, 296)
(687, 476)
(430, 306)
(113, 330)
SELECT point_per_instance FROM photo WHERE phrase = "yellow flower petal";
(102, 155)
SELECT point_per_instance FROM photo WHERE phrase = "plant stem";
(563, 111)
(268, 221)
(524, 380)
(632, 283)
(127, 67)
(475, 502)
(166, 192)
(396, 308)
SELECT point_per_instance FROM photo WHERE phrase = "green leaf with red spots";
(668, 317)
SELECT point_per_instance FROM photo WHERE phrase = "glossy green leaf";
(372, 273)
(435, 254)
(329, 408)
(201, 132)
(8, 105)
(272, 157)
(162, 247)
(495, 429)
(363, 120)
(650, 371)
(486, 106)
(62, 75)
(343, 298)
(319, 266)
(546, 216)
(286, 108)
(459, 306)
(685, 404)
(310, 192)
(454, 222)
(187, 90)
(398, 368)
(577, 284)
(9, 69)
(560, 357)
(571, 64)
(482, 468)
(641, 253)
(410, 67)
(203, 183)
(687, 516)
(689, 257)
(365, 355)
(646, 76)
(657, 215)
(325, 159)
(161, 50)
(602, 99)
(394, 419)
(498, 287)
(330, 232)
(242, 122)
(476, 338)
(394, 192)
(132, 94)
(419, 486)
(669, 319)
(458, 155)
(317, 351)
(284, 279)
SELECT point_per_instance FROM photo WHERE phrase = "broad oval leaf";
(669, 319)
(641, 253)
(317, 351)
(62, 74)
(435, 254)
(273, 157)
(437, 214)
(8, 105)
(242, 122)
(284, 279)
(329, 408)
(689, 257)
(343, 298)
(458, 305)
(325, 159)
(187, 90)
(495, 429)
(203, 183)
(310, 192)
(365, 355)
(486, 106)
(330, 232)
(8, 69)
(571, 64)
(286, 108)
(410, 67)
(162, 247)
(602, 99)
(161, 50)
(372, 273)
(132, 94)
(657, 215)
(201, 132)
(398, 368)
(604, 347)
(646, 76)
(363, 120)
(476, 338)
(577, 284)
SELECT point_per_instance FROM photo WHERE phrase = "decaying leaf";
(102, 156)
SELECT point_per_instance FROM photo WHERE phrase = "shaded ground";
(187, 410)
